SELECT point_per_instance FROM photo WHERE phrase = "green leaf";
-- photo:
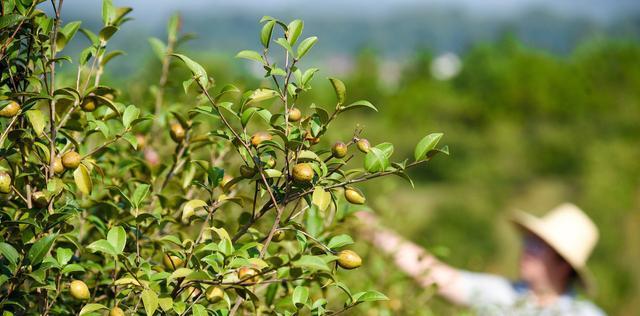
(139, 194)
(340, 89)
(321, 198)
(63, 255)
(265, 34)
(104, 246)
(294, 29)
(359, 104)
(106, 32)
(260, 95)
(283, 42)
(158, 47)
(82, 179)
(166, 303)
(92, 307)
(313, 221)
(370, 296)
(40, 248)
(9, 20)
(426, 144)
(37, 121)
(311, 262)
(340, 241)
(72, 268)
(179, 273)
(196, 69)
(130, 114)
(251, 55)
(387, 149)
(189, 209)
(375, 160)
(300, 296)
(117, 237)
(108, 12)
(306, 45)
(9, 253)
(150, 301)
(199, 310)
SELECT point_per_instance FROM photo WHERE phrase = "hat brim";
(535, 226)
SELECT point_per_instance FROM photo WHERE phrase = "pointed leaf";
(340, 89)
(117, 237)
(40, 248)
(92, 307)
(83, 179)
(306, 45)
(265, 34)
(426, 144)
(196, 69)
(359, 104)
(251, 55)
(150, 301)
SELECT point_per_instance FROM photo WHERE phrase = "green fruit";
(363, 145)
(172, 262)
(278, 235)
(247, 172)
(303, 172)
(177, 132)
(89, 104)
(116, 311)
(10, 110)
(271, 162)
(214, 294)
(348, 259)
(71, 160)
(339, 150)
(259, 137)
(354, 196)
(79, 290)
(5, 182)
(294, 115)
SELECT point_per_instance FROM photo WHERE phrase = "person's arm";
(415, 260)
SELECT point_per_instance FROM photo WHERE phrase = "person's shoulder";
(584, 307)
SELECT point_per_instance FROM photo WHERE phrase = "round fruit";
(58, 167)
(294, 115)
(89, 104)
(354, 196)
(177, 132)
(363, 145)
(39, 199)
(79, 290)
(5, 182)
(339, 150)
(348, 259)
(71, 160)
(302, 172)
(248, 275)
(116, 311)
(10, 110)
(278, 235)
(172, 262)
(214, 294)
(259, 137)
(247, 172)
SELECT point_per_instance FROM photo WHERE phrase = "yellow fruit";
(89, 104)
(247, 172)
(172, 262)
(39, 199)
(71, 160)
(79, 290)
(303, 172)
(259, 137)
(294, 115)
(248, 275)
(10, 110)
(363, 145)
(5, 182)
(354, 196)
(58, 167)
(348, 259)
(278, 235)
(177, 132)
(339, 150)
(116, 311)
(214, 294)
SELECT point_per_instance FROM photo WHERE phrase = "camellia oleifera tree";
(238, 216)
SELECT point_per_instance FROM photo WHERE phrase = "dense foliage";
(220, 201)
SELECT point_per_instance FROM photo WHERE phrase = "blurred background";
(539, 101)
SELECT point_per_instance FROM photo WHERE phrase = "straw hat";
(569, 231)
